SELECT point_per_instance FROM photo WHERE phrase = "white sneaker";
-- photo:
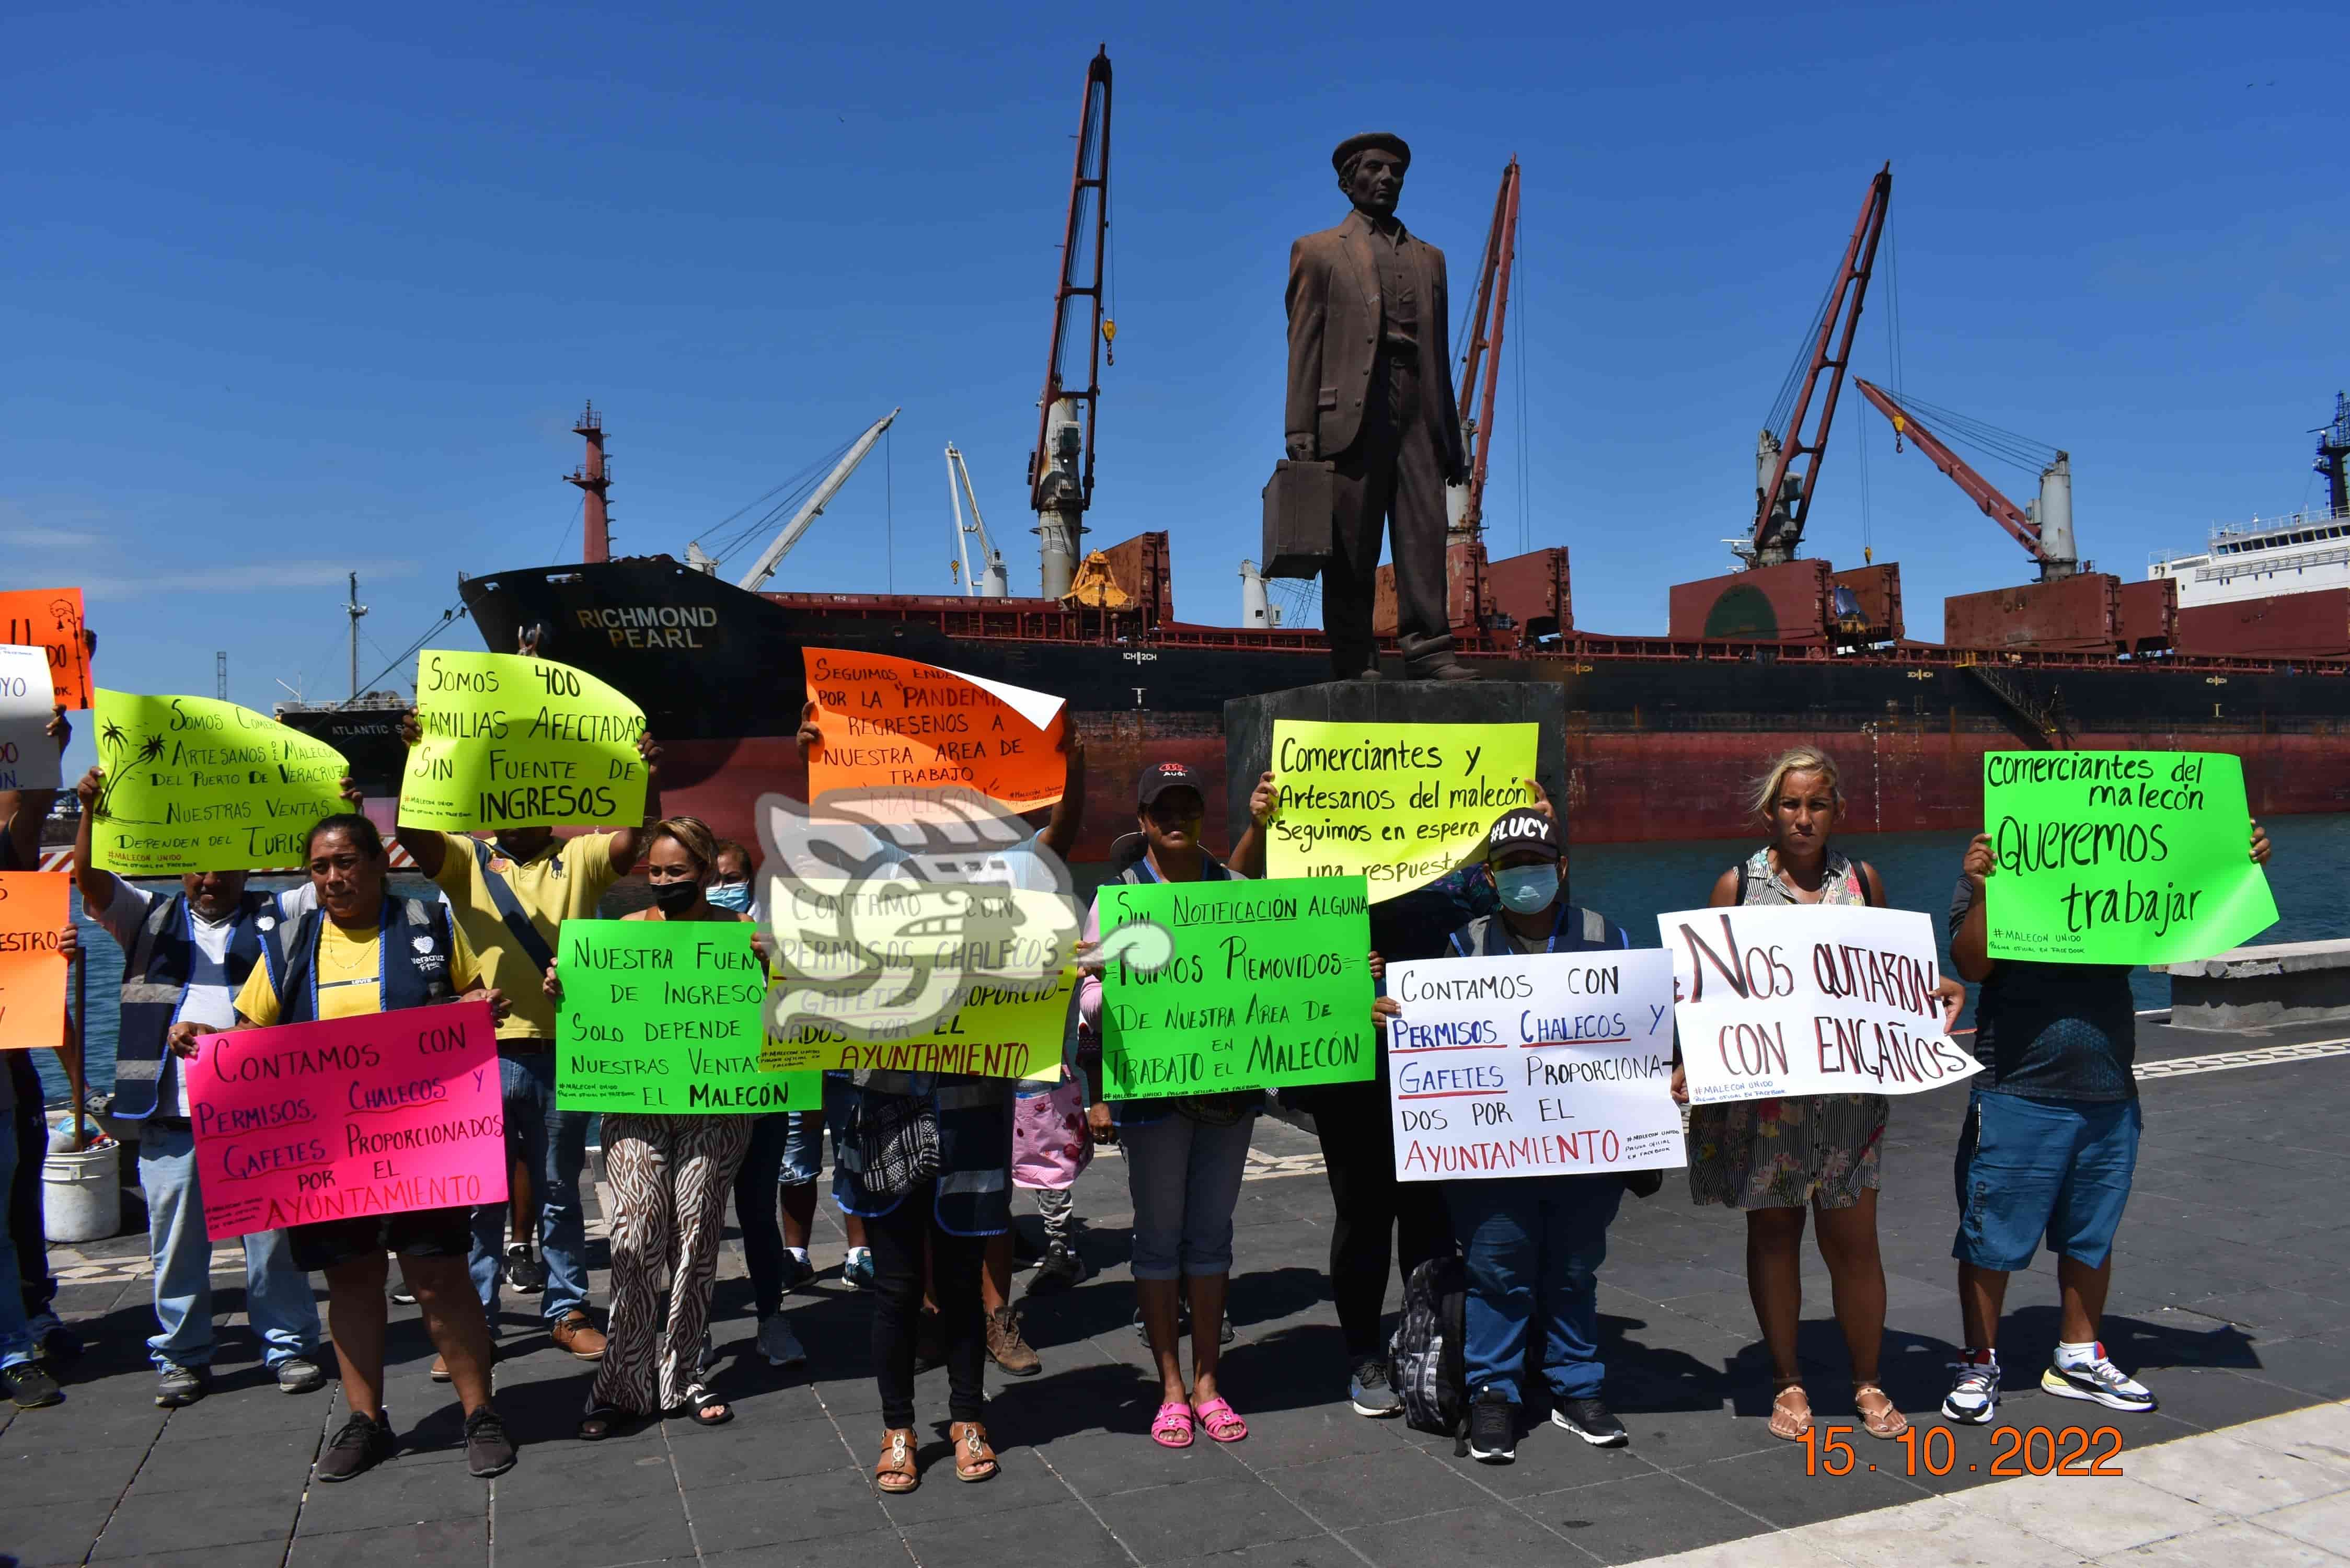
(1973, 1398)
(2099, 1381)
(778, 1344)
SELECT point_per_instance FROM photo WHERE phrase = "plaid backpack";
(1424, 1359)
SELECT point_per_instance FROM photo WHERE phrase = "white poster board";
(28, 758)
(1553, 1063)
(1818, 999)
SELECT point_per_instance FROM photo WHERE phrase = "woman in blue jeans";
(1534, 1244)
(1183, 1156)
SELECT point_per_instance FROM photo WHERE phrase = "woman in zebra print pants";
(670, 1178)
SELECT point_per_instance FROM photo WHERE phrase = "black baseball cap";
(1159, 777)
(1525, 828)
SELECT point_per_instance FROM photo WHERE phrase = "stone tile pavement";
(2233, 1301)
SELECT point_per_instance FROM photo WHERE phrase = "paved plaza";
(2232, 1300)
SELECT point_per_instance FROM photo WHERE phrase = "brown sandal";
(974, 1461)
(896, 1471)
(1789, 1420)
(1883, 1421)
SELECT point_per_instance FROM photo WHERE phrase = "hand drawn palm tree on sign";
(115, 749)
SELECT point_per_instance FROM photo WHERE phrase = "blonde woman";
(670, 1178)
(1777, 1158)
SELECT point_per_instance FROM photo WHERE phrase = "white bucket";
(81, 1194)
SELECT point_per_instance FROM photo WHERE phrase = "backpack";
(1425, 1362)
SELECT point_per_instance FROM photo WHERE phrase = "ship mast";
(1061, 465)
(593, 481)
(1782, 497)
(1484, 354)
(2333, 447)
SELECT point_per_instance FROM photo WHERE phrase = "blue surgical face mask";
(1526, 890)
(735, 896)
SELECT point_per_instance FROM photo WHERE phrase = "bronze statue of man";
(1370, 389)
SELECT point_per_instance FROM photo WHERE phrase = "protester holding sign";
(22, 812)
(2049, 1150)
(511, 895)
(1184, 1157)
(1776, 1157)
(186, 958)
(362, 951)
(671, 1174)
(1534, 1244)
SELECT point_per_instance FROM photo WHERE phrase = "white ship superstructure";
(2300, 554)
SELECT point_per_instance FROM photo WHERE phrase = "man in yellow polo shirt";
(510, 894)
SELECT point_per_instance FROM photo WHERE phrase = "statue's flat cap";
(1367, 140)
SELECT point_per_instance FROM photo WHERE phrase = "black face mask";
(676, 898)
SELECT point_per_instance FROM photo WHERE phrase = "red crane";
(2047, 539)
(1061, 466)
(1484, 350)
(1782, 497)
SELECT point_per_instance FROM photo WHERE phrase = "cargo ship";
(1664, 734)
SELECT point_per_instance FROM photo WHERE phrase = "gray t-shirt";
(2053, 1031)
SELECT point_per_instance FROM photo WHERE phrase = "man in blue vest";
(1534, 1244)
(185, 958)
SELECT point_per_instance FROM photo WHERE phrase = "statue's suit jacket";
(1334, 335)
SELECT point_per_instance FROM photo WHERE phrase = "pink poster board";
(349, 1119)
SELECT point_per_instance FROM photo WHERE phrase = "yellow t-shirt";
(348, 982)
(547, 895)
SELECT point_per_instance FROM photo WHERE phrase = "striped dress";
(1802, 1149)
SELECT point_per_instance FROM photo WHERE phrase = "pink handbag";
(1049, 1146)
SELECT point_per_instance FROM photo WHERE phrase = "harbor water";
(1630, 883)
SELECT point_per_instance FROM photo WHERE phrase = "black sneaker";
(798, 1270)
(361, 1445)
(526, 1273)
(401, 1295)
(1592, 1421)
(1058, 1269)
(1492, 1428)
(30, 1388)
(54, 1345)
(1370, 1391)
(180, 1386)
(488, 1450)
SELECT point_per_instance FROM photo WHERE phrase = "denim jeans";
(1534, 1245)
(23, 1191)
(15, 1330)
(552, 1145)
(1184, 1178)
(278, 1299)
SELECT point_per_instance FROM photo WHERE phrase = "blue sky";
(291, 296)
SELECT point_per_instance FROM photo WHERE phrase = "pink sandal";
(1223, 1423)
(1171, 1428)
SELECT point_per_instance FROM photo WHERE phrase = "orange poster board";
(50, 619)
(899, 723)
(33, 910)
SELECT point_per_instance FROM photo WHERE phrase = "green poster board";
(999, 1032)
(193, 783)
(1397, 805)
(2123, 857)
(1270, 984)
(663, 1018)
(512, 742)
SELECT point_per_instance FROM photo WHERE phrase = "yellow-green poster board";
(662, 1018)
(514, 742)
(1270, 984)
(2121, 857)
(1396, 805)
(1000, 1032)
(193, 783)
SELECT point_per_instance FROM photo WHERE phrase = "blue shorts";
(804, 1148)
(2028, 1169)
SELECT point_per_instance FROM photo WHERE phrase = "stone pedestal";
(1249, 721)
